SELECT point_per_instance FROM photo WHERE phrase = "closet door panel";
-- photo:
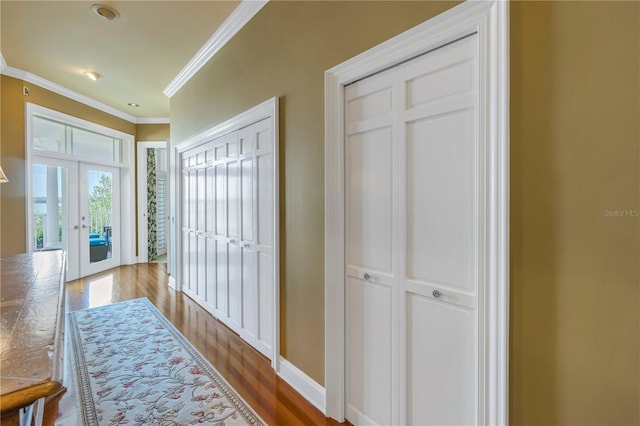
(193, 226)
(441, 200)
(186, 193)
(233, 200)
(232, 145)
(443, 74)
(221, 279)
(185, 225)
(221, 199)
(186, 283)
(220, 151)
(247, 141)
(265, 297)
(250, 302)
(249, 294)
(370, 100)
(247, 196)
(202, 206)
(209, 232)
(369, 345)
(265, 199)
(210, 199)
(263, 135)
(264, 234)
(441, 359)
(200, 229)
(201, 257)
(193, 263)
(234, 264)
(234, 273)
(371, 282)
(210, 270)
(193, 200)
(440, 238)
(370, 195)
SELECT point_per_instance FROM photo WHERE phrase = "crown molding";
(61, 90)
(242, 14)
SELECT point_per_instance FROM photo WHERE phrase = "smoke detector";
(105, 12)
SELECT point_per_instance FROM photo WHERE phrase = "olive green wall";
(12, 150)
(575, 184)
(12, 194)
(575, 138)
(575, 142)
(152, 132)
(284, 51)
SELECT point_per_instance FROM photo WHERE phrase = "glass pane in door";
(100, 185)
(49, 207)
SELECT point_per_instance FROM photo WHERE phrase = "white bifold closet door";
(412, 209)
(227, 233)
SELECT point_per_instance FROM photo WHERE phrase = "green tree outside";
(100, 203)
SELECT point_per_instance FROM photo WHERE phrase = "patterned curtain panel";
(151, 205)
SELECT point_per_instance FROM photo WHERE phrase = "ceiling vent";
(105, 12)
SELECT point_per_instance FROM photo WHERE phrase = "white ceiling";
(137, 54)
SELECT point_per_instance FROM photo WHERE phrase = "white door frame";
(265, 110)
(490, 20)
(127, 195)
(141, 148)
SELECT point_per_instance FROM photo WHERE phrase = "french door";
(76, 207)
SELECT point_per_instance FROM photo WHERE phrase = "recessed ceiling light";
(105, 12)
(133, 104)
(92, 75)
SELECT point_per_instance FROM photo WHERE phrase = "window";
(51, 135)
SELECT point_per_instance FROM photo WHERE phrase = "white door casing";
(142, 147)
(228, 180)
(126, 200)
(486, 309)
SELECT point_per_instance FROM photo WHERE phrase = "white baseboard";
(303, 384)
(172, 282)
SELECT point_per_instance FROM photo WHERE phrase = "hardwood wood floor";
(243, 367)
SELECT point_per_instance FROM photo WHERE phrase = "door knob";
(232, 241)
(76, 227)
(84, 226)
(436, 294)
(366, 276)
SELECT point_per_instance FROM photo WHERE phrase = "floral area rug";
(133, 367)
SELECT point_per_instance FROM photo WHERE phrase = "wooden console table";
(32, 330)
